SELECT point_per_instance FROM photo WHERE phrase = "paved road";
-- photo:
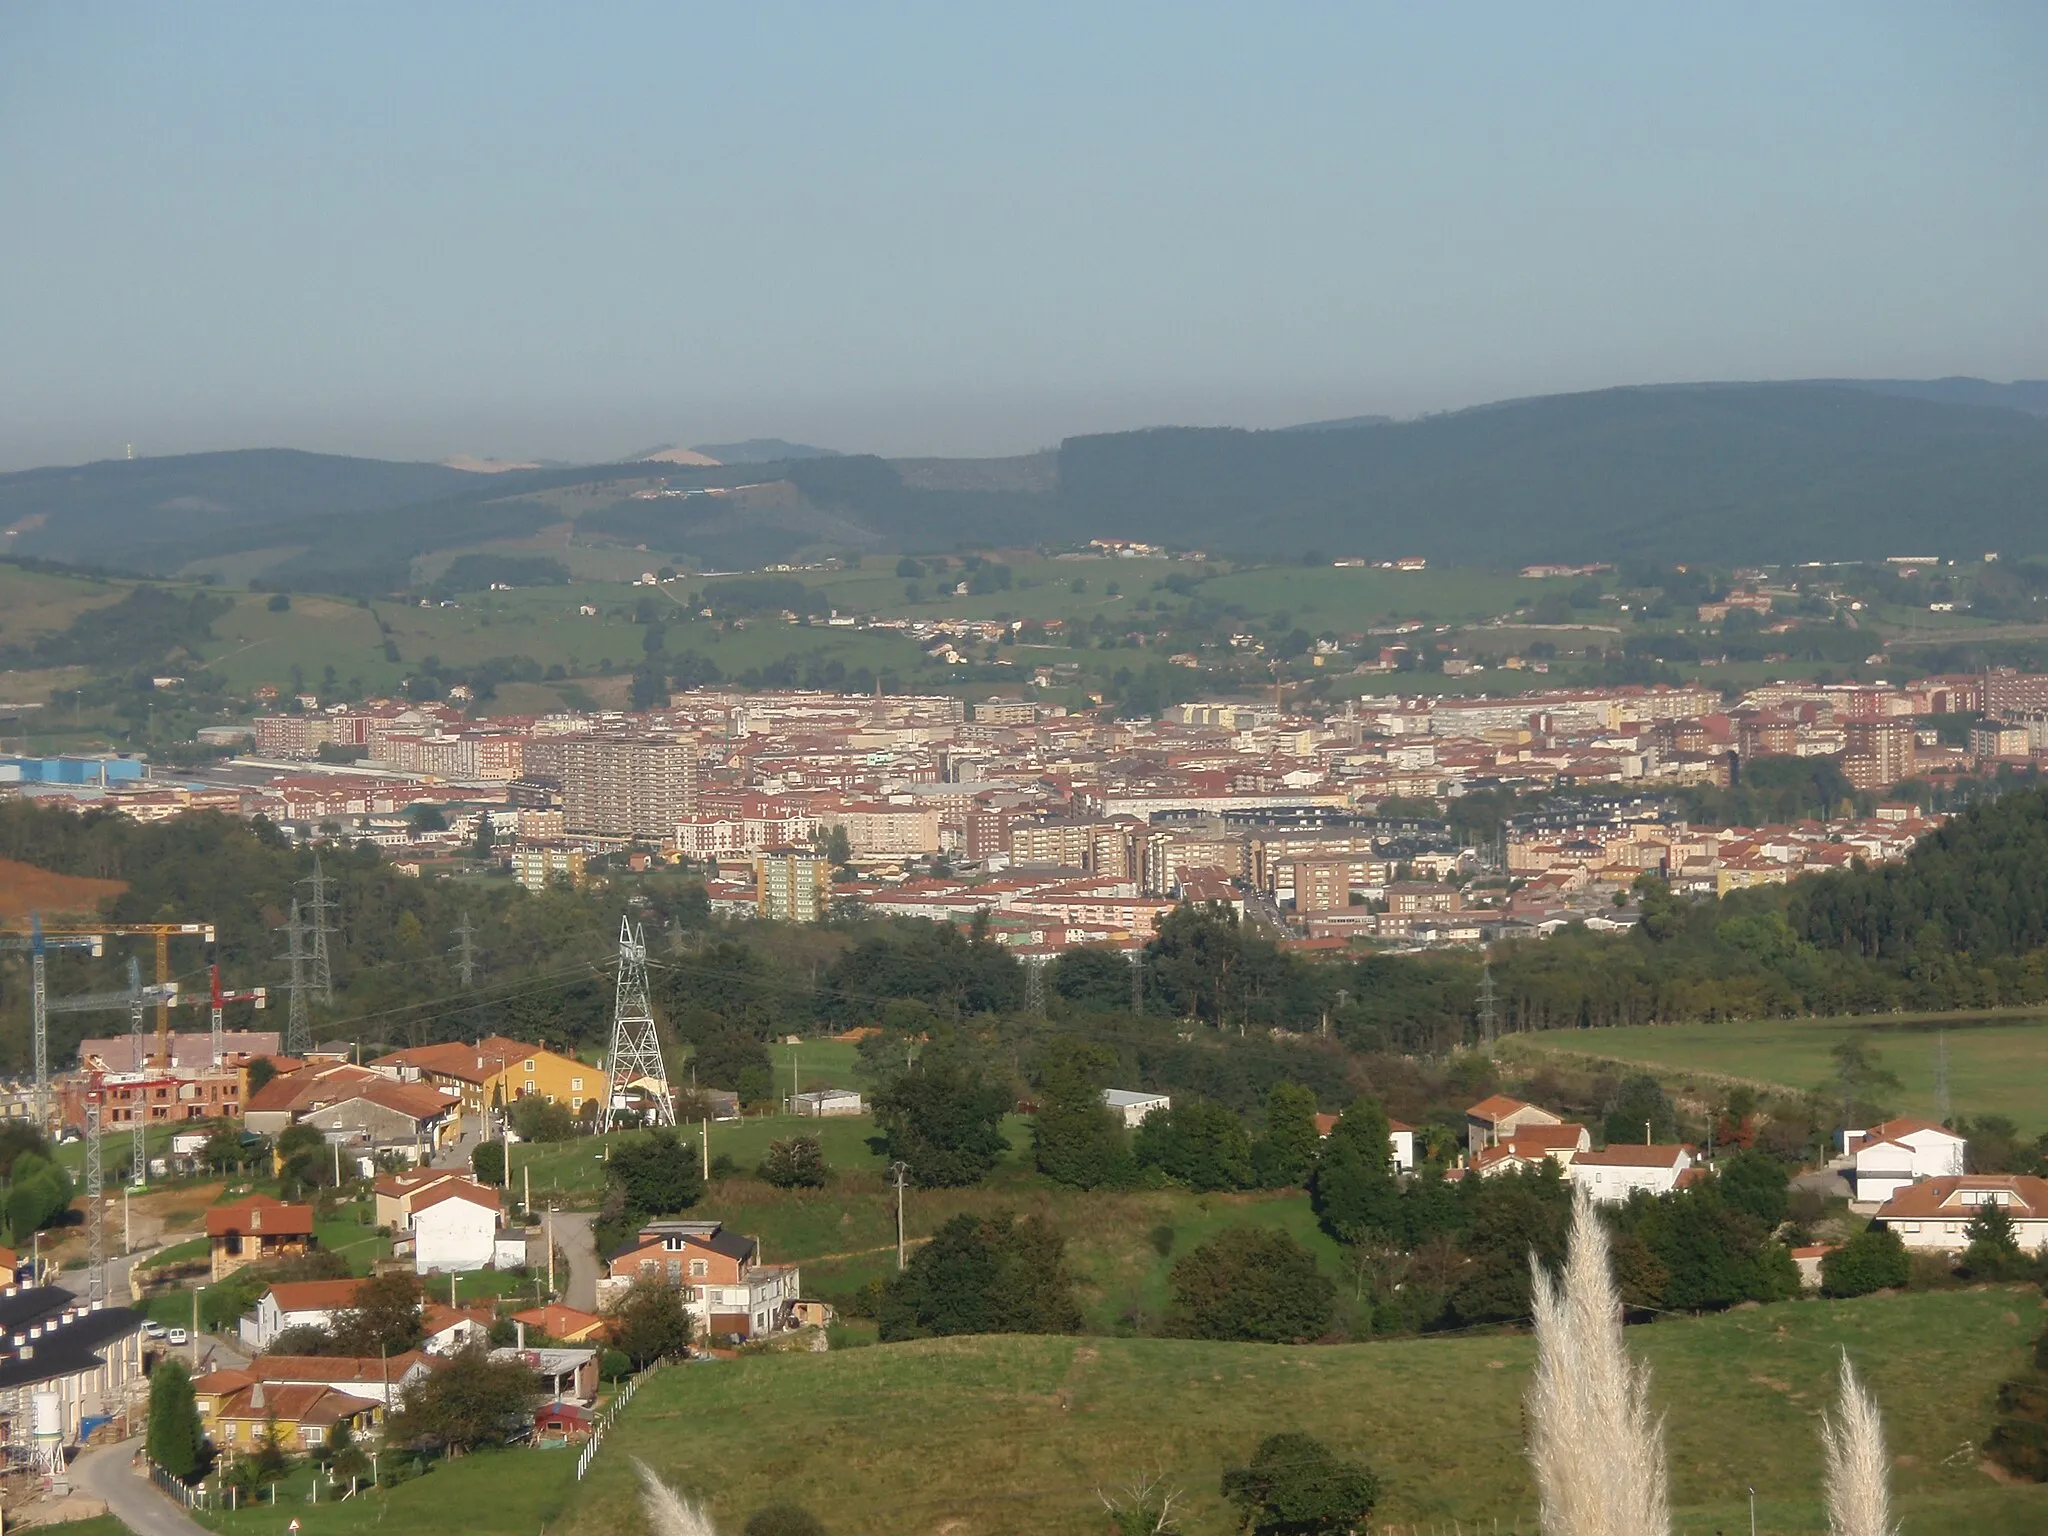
(108, 1473)
(574, 1237)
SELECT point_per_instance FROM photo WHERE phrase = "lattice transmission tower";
(635, 1054)
(317, 908)
(298, 1029)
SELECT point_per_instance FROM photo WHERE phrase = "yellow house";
(495, 1068)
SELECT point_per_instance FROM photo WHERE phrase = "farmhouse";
(1611, 1176)
(1400, 1140)
(258, 1229)
(455, 1227)
(1890, 1156)
(297, 1304)
(1932, 1215)
(1495, 1119)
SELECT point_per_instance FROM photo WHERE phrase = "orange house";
(256, 1230)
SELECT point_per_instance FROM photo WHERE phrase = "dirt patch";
(1773, 1383)
(25, 889)
(1999, 1475)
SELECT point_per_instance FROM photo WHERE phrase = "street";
(108, 1473)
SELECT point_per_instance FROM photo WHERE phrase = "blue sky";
(574, 232)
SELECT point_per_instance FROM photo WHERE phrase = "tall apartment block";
(617, 787)
(792, 885)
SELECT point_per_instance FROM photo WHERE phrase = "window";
(575, 1085)
(529, 1069)
(699, 1268)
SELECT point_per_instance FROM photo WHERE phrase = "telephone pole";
(317, 909)
(465, 952)
(897, 1172)
(298, 1033)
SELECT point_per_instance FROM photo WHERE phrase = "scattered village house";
(1890, 1156)
(728, 1289)
(455, 1227)
(566, 1375)
(1614, 1174)
(260, 1228)
(496, 1071)
(1933, 1215)
(1400, 1140)
(297, 1304)
(1495, 1119)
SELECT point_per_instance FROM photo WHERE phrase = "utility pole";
(465, 953)
(897, 1171)
(635, 1054)
(298, 1033)
(317, 910)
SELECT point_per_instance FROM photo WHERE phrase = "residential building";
(1933, 1215)
(1612, 1175)
(627, 788)
(257, 1229)
(87, 1355)
(1879, 752)
(730, 1291)
(296, 1304)
(792, 885)
(539, 867)
(567, 1375)
(1888, 1157)
(1493, 1119)
(239, 1412)
(455, 1227)
(497, 1070)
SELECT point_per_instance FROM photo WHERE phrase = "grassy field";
(36, 603)
(1997, 1064)
(992, 1436)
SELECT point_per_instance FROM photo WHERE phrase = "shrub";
(1250, 1283)
(1873, 1260)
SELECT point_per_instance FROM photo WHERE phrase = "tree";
(427, 818)
(1756, 1183)
(302, 1339)
(1875, 1259)
(658, 1175)
(385, 1318)
(983, 1274)
(1354, 1191)
(271, 1458)
(1994, 1247)
(1638, 1103)
(734, 1060)
(1295, 1486)
(535, 1118)
(472, 1401)
(38, 1195)
(795, 1162)
(344, 1458)
(1285, 1154)
(1201, 1144)
(943, 1121)
(177, 1439)
(1076, 1139)
(651, 1323)
(486, 836)
(487, 1162)
(1251, 1283)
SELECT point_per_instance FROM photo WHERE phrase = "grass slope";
(994, 1436)
(1997, 1063)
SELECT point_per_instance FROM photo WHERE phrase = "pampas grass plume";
(1859, 1495)
(1598, 1451)
(668, 1512)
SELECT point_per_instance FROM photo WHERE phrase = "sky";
(580, 231)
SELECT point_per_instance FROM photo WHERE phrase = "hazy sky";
(576, 231)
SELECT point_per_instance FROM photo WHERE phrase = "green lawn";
(1997, 1064)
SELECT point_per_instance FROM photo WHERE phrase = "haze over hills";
(1726, 473)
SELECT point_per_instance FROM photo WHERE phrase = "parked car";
(152, 1330)
(178, 1337)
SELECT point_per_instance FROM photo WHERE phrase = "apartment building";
(627, 788)
(792, 885)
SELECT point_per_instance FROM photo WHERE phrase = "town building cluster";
(1079, 827)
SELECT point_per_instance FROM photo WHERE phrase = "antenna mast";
(635, 1053)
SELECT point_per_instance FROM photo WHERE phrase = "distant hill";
(1342, 423)
(1725, 473)
(2029, 395)
(763, 450)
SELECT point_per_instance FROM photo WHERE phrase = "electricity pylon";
(317, 909)
(635, 1054)
(298, 1031)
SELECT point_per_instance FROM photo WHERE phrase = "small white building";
(1890, 1156)
(1933, 1215)
(1401, 1143)
(455, 1228)
(822, 1103)
(1133, 1106)
(1614, 1174)
(296, 1304)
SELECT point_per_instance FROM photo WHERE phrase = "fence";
(177, 1488)
(603, 1426)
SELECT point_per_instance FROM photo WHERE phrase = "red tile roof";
(315, 1295)
(265, 1214)
(1945, 1196)
(1630, 1155)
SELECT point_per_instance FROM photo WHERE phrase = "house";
(1890, 1156)
(566, 1375)
(455, 1227)
(1530, 1145)
(1612, 1175)
(394, 1193)
(297, 1304)
(410, 1119)
(1400, 1140)
(820, 1103)
(1807, 1261)
(497, 1070)
(729, 1289)
(257, 1230)
(382, 1378)
(1134, 1106)
(565, 1325)
(302, 1416)
(1496, 1118)
(450, 1329)
(1931, 1215)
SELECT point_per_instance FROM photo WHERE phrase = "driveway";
(108, 1473)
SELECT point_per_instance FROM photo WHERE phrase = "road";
(574, 1236)
(108, 1473)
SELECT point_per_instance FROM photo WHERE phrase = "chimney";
(256, 1395)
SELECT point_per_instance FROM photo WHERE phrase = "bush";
(487, 1162)
(1295, 1486)
(795, 1162)
(1873, 1260)
(1251, 1283)
(983, 1274)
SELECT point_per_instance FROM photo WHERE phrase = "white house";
(455, 1227)
(1890, 1156)
(1401, 1142)
(1932, 1215)
(1134, 1107)
(296, 1304)
(821, 1103)
(1611, 1176)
